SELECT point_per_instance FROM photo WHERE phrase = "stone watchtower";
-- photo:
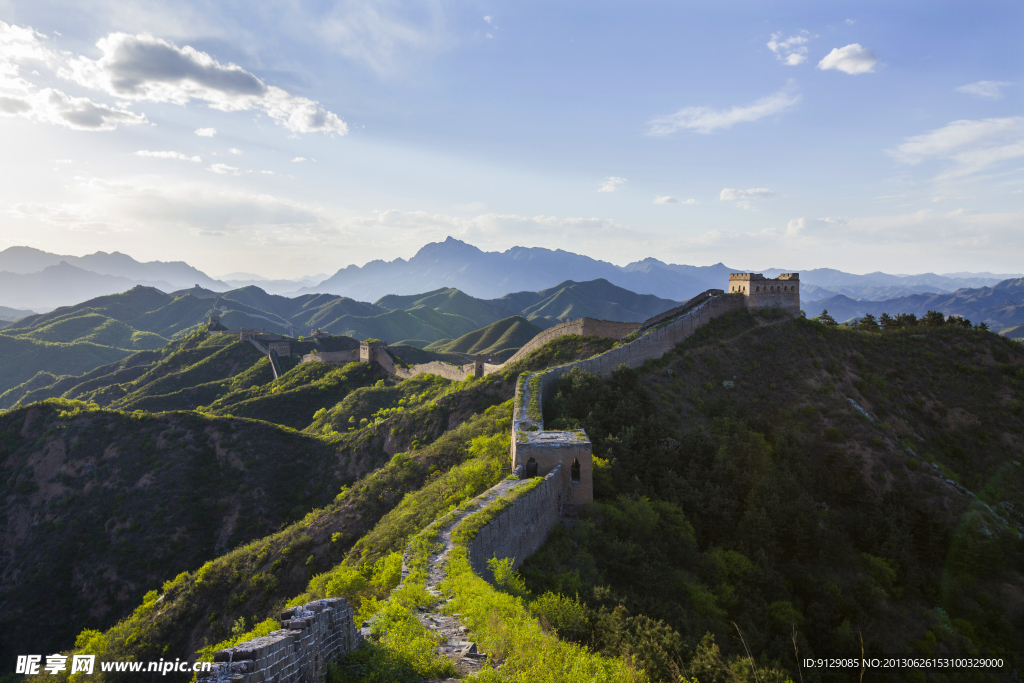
(761, 292)
(369, 350)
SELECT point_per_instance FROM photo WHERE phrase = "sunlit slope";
(505, 335)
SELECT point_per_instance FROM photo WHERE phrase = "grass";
(503, 626)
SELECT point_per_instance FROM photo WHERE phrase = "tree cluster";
(888, 323)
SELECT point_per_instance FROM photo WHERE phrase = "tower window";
(575, 471)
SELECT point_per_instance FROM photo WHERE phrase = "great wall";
(322, 631)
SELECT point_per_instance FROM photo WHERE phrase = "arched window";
(575, 471)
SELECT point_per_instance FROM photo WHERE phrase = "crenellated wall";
(312, 635)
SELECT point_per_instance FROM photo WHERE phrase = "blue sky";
(861, 136)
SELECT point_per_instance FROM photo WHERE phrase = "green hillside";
(738, 493)
(95, 328)
(503, 336)
(774, 504)
(124, 501)
(594, 299)
(390, 439)
(23, 358)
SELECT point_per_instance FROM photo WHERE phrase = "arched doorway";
(530, 469)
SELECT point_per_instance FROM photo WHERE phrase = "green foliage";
(239, 634)
(401, 650)
(504, 627)
(24, 357)
(785, 531)
(565, 616)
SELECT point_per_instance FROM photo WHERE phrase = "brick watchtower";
(369, 350)
(761, 292)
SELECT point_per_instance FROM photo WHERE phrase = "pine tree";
(981, 326)
(868, 323)
(889, 323)
(906, 320)
(826, 318)
(933, 319)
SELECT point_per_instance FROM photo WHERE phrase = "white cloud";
(299, 160)
(730, 194)
(489, 19)
(852, 59)
(235, 151)
(20, 44)
(169, 155)
(224, 169)
(803, 227)
(612, 184)
(707, 119)
(990, 90)
(851, 22)
(150, 69)
(972, 146)
(268, 172)
(206, 132)
(78, 113)
(673, 200)
(792, 50)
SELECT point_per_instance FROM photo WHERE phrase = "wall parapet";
(521, 529)
(313, 635)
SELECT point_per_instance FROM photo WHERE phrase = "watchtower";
(368, 350)
(761, 292)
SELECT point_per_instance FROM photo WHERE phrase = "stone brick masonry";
(313, 635)
(519, 531)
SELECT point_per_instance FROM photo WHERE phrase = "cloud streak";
(707, 120)
(989, 90)
(673, 200)
(168, 155)
(971, 145)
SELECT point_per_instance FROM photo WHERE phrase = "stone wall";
(520, 530)
(530, 440)
(332, 357)
(581, 326)
(456, 373)
(673, 312)
(311, 636)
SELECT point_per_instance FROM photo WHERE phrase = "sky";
(295, 137)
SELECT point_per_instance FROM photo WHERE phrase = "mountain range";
(1001, 307)
(76, 339)
(30, 278)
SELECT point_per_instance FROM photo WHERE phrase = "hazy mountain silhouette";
(178, 274)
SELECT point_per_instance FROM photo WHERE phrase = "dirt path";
(455, 641)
